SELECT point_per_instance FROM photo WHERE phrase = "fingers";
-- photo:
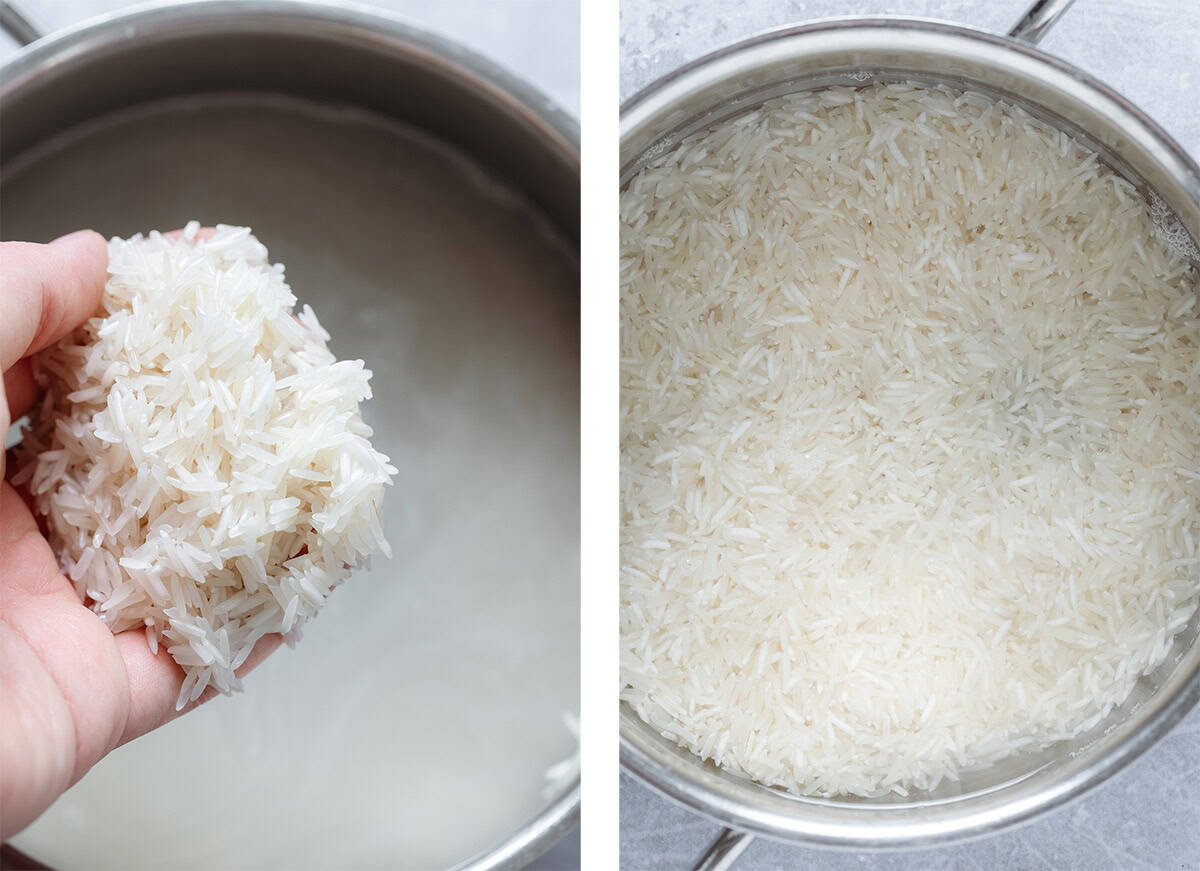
(37, 741)
(20, 388)
(155, 679)
(73, 647)
(266, 645)
(53, 288)
(27, 566)
(48, 290)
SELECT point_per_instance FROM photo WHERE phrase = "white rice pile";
(909, 417)
(199, 457)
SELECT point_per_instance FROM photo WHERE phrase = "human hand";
(70, 690)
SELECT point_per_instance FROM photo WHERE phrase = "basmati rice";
(199, 457)
(910, 397)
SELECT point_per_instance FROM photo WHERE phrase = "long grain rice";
(909, 413)
(199, 458)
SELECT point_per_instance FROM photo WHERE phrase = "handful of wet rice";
(199, 458)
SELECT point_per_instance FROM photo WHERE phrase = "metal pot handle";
(17, 25)
(1038, 19)
(724, 851)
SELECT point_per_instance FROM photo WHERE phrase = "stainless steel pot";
(853, 52)
(427, 203)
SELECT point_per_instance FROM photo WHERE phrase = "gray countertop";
(1148, 816)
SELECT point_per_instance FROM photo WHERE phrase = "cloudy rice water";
(414, 724)
(910, 474)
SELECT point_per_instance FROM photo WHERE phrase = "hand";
(70, 690)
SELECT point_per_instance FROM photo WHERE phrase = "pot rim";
(373, 26)
(379, 28)
(680, 775)
(989, 47)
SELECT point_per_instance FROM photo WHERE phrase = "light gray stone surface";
(1147, 817)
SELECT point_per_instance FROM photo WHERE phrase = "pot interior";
(324, 54)
(863, 52)
(858, 54)
(413, 724)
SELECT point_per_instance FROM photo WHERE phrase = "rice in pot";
(909, 412)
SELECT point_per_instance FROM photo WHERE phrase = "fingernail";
(70, 237)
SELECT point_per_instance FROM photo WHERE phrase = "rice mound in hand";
(199, 457)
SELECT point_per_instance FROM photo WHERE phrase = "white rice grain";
(195, 438)
(959, 518)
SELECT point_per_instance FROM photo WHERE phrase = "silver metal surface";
(532, 840)
(334, 53)
(16, 25)
(854, 52)
(426, 204)
(724, 851)
(1038, 20)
